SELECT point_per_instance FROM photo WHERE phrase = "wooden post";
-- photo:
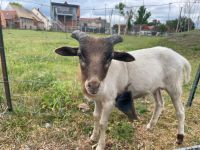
(4, 70)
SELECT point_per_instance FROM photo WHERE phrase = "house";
(144, 29)
(65, 16)
(122, 28)
(8, 19)
(43, 18)
(93, 24)
(25, 18)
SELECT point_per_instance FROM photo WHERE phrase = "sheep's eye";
(82, 62)
(82, 59)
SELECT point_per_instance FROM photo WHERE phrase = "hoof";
(94, 138)
(149, 127)
(180, 138)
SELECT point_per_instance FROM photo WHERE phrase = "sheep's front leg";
(159, 105)
(106, 110)
(97, 115)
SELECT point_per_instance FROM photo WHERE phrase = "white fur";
(154, 69)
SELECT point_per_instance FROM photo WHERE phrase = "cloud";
(3, 4)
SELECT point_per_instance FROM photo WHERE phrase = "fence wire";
(37, 74)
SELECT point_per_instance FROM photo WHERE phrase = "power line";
(110, 8)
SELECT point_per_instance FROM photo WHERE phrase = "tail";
(187, 70)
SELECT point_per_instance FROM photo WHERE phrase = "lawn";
(46, 92)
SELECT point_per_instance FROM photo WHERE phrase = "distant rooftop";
(38, 10)
(91, 19)
(22, 12)
(8, 14)
(64, 4)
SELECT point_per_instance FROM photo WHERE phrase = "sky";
(159, 9)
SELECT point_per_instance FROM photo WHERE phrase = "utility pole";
(50, 9)
(198, 21)
(169, 11)
(189, 11)
(105, 17)
(111, 21)
(177, 27)
(1, 5)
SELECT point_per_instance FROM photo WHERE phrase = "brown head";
(95, 55)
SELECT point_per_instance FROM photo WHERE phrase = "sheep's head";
(95, 55)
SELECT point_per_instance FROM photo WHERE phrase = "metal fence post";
(4, 70)
(194, 87)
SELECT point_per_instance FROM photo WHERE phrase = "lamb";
(107, 73)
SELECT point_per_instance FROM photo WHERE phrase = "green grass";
(45, 88)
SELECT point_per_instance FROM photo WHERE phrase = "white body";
(154, 69)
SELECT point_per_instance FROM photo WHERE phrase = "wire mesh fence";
(34, 70)
(39, 79)
(42, 82)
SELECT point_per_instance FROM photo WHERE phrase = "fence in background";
(112, 16)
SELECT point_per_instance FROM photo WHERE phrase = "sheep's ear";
(123, 56)
(67, 51)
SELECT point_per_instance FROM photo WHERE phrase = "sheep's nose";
(93, 86)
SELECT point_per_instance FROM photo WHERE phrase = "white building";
(25, 18)
(43, 18)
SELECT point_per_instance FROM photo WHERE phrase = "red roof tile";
(8, 14)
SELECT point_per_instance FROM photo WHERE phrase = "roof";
(86, 19)
(38, 10)
(91, 19)
(23, 12)
(64, 4)
(143, 27)
(146, 27)
(8, 14)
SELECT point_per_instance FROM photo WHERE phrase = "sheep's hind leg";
(159, 105)
(175, 94)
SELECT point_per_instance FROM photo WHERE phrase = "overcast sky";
(96, 8)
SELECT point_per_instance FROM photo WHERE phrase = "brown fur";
(95, 57)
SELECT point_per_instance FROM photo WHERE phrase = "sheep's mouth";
(92, 91)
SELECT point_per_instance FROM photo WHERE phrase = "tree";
(186, 24)
(120, 7)
(142, 16)
(172, 24)
(129, 16)
(115, 27)
(154, 23)
(162, 28)
(16, 4)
